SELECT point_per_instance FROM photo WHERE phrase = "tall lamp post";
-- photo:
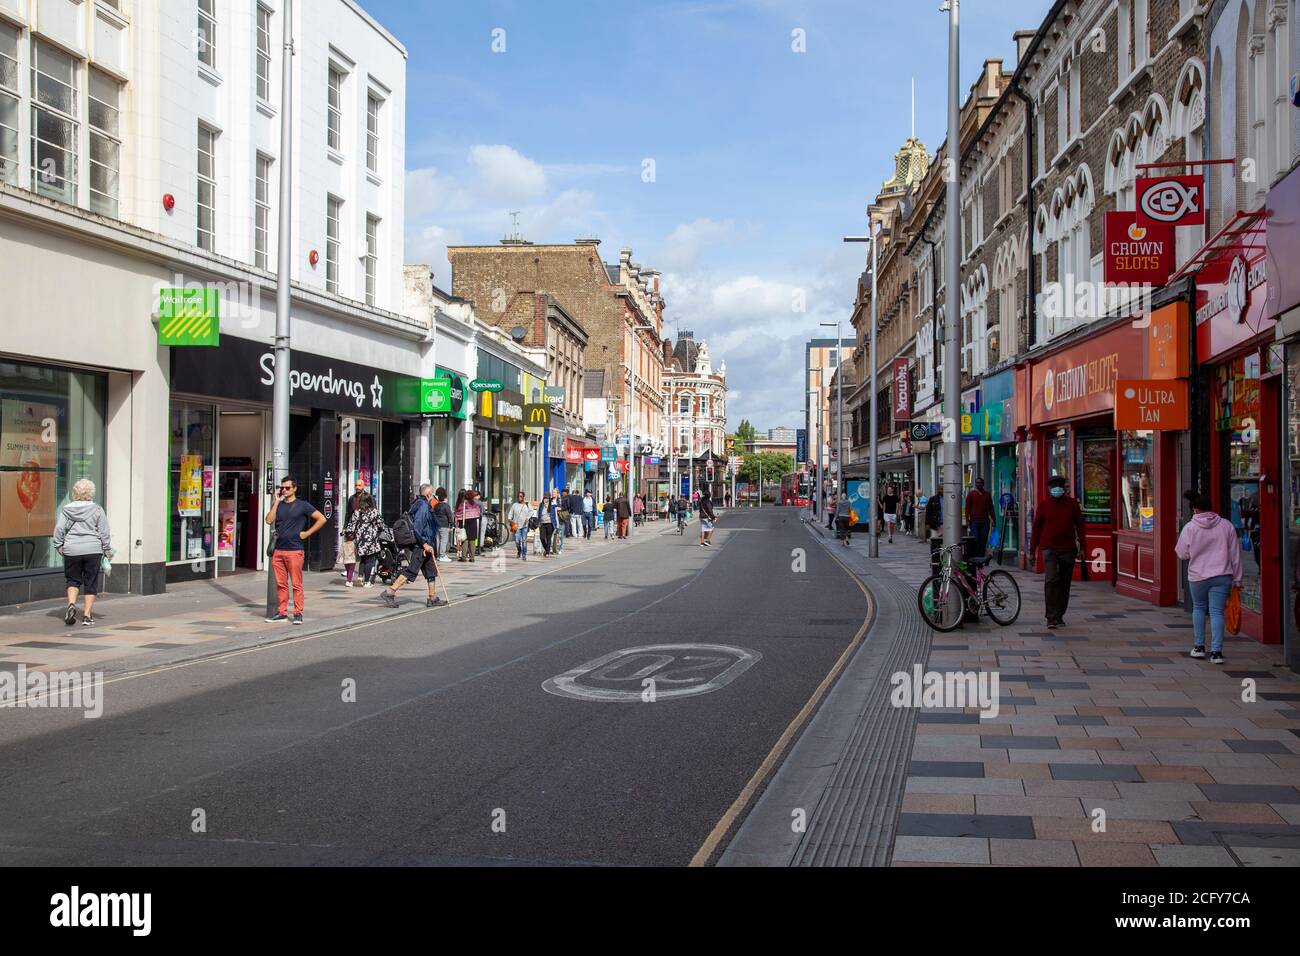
(952, 279)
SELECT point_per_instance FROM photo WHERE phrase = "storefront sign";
(509, 413)
(189, 317)
(435, 395)
(592, 454)
(486, 385)
(1135, 254)
(244, 370)
(1282, 231)
(1171, 200)
(1147, 404)
(624, 465)
(608, 453)
(1167, 342)
(801, 445)
(537, 415)
(1231, 294)
(985, 424)
(458, 393)
(1081, 380)
(572, 452)
(554, 395)
(902, 390)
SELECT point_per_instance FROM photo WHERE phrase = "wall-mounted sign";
(608, 453)
(801, 445)
(985, 424)
(486, 385)
(924, 431)
(554, 395)
(1081, 380)
(902, 390)
(592, 454)
(1135, 254)
(189, 317)
(435, 395)
(1171, 200)
(538, 414)
(1157, 405)
(1167, 342)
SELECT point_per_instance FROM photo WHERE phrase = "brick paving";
(1105, 714)
(197, 617)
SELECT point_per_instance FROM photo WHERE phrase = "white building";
(139, 150)
(695, 427)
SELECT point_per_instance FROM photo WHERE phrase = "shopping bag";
(995, 538)
(1232, 612)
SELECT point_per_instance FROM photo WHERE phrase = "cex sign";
(1170, 201)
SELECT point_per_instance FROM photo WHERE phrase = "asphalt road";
(453, 752)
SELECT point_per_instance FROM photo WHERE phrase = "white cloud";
(507, 174)
(684, 244)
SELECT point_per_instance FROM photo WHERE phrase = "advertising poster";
(860, 501)
(28, 468)
(226, 529)
(189, 496)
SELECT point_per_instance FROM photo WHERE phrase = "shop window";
(1236, 418)
(1058, 455)
(1137, 489)
(51, 435)
(190, 519)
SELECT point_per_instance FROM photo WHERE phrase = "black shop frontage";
(349, 423)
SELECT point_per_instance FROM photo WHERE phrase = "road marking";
(679, 668)
(742, 801)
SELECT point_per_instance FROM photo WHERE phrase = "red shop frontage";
(1125, 481)
(1240, 373)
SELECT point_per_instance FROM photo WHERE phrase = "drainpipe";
(1030, 211)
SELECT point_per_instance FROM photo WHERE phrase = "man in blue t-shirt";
(291, 517)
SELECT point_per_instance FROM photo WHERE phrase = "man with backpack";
(418, 531)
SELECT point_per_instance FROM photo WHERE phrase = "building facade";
(695, 423)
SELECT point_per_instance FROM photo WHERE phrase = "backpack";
(404, 531)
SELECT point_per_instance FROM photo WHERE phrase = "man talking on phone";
(291, 516)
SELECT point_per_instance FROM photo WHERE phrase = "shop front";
(1283, 305)
(1000, 457)
(1242, 374)
(348, 423)
(499, 443)
(1071, 430)
(447, 433)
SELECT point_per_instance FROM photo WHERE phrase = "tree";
(775, 464)
(745, 432)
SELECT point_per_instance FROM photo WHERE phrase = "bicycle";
(944, 599)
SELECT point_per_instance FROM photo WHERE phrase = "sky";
(729, 151)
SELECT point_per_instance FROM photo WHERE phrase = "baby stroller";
(491, 530)
(390, 561)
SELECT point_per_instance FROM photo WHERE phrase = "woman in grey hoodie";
(81, 536)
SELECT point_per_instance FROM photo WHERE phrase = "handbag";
(1232, 611)
(533, 523)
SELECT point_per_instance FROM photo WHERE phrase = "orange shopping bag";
(1232, 612)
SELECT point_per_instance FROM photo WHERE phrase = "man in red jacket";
(1058, 530)
(979, 515)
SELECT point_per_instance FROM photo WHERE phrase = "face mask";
(1057, 492)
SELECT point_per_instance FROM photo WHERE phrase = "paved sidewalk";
(191, 620)
(1106, 714)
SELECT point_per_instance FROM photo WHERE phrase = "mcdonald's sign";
(537, 415)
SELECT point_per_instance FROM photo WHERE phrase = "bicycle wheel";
(941, 603)
(1001, 597)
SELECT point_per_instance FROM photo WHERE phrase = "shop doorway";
(239, 528)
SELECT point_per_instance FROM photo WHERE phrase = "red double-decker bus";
(796, 489)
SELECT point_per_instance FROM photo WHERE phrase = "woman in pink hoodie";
(1209, 544)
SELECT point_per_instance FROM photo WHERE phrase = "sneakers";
(87, 621)
(444, 559)
(368, 584)
(1216, 657)
(70, 615)
(347, 584)
(389, 597)
(1198, 651)
(1052, 625)
(277, 619)
(297, 619)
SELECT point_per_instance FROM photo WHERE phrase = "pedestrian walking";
(424, 556)
(561, 518)
(588, 514)
(547, 520)
(979, 515)
(907, 513)
(467, 514)
(1209, 543)
(446, 523)
(521, 520)
(638, 510)
(1058, 530)
(364, 528)
(889, 510)
(573, 505)
(347, 547)
(82, 538)
(726, 499)
(623, 510)
(707, 517)
(830, 510)
(295, 521)
(842, 515)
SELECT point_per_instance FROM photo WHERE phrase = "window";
(8, 104)
(1137, 488)
(54, 123)
(263, 54)
(205, 36)
(105, 144)
(684, 405)
(704, 406)
(261, 210)
(372, 133)
(372, 257)
(333, 212)
(334, 135)
(207, 188)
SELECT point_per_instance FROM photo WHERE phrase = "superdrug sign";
(245, 370)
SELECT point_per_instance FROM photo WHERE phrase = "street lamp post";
(952, 279)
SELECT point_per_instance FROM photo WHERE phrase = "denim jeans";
(1212, 595)
(521, 539)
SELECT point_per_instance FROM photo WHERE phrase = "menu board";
(28, 468)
